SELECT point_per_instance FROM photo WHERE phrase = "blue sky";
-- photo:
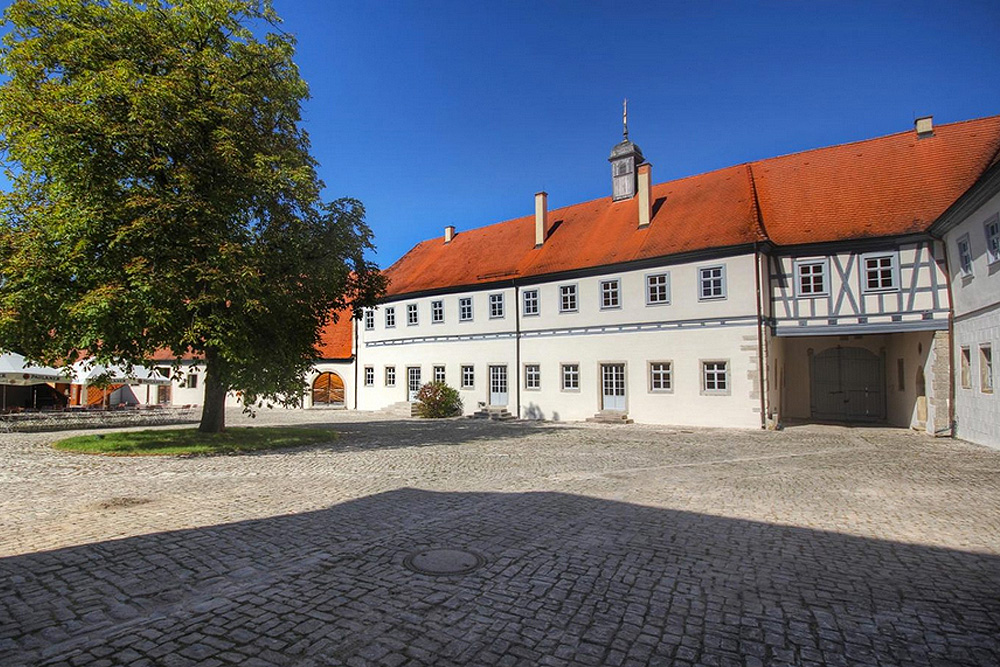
(435, 113)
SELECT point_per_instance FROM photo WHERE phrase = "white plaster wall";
(915, 349)
(981, 290)
(685, 331)
(977, 414)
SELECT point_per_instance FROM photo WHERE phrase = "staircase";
(402, 409)
(493, 414)
(610, 417)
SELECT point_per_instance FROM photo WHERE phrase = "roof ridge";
(868, 140)
(756, 203)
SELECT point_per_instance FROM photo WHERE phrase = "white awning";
(15, 370)
(86, 372)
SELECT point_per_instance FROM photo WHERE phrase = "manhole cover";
(444, 561)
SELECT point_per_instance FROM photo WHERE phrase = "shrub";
(436, 400)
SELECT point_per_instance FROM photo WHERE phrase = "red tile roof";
(337, 338)
(879, 187)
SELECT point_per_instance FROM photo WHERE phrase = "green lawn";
(190, 441)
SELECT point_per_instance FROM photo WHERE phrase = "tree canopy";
(163, 194)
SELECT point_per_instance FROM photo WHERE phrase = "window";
(992, 228)
(661, 377)
(437, 312)
(658, 288)
(571, 377)
(986, 368)
(610, 297)
(411, 314)
(532, 376)
(715, 377)
(966, 368)
(468, 377)
(191, 381)
(369, 376)
(439, 373)
(390, 317)
(531, 302)
(369, 319)
(900, 374)
(567, 299)
(496, 306)
(879, 272)
(465, 309)
(390, 376)
(811, 278)
(712, 282)
(964, 256)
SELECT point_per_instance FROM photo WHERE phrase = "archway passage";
(847, 384)
(328, 389)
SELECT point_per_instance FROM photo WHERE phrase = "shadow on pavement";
(568, 580)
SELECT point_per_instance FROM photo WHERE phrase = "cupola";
(625, 160)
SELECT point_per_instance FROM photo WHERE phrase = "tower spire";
(625, 118)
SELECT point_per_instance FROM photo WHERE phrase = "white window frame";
(569, 375)
(668, 374)
(390, 317)
(390, 376)
(438, 373)
(724, 292)
(964, 246)
(893, 268)
(986, 368)
(649, 278)
(497, 309)
(412, 317)
(824, 273)
(566, 290)
(726, 378)
(535, 299)
(468, 376)
(437, 312)
(369, 376)
(369, 319)
(615, 293)
(992, 238)
(532, 377)
(462, 302)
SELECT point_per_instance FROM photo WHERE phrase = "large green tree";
(163, 195)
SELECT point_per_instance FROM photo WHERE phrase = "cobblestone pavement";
(604, 545)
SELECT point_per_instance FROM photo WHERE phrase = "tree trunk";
(213, 411)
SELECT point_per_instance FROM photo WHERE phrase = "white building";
(804, 287)
(971, 232)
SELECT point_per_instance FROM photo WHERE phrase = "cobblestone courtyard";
(604, 545)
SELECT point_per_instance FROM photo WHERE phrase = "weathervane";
(625, 118)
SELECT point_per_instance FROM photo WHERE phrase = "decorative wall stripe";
(671, 325)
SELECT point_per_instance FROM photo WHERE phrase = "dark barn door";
(847, 384)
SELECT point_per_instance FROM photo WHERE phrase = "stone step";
(610, 417)
(494, 414)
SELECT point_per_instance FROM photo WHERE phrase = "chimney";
(541, 217)
(449, 233)
(924, 126)
(645, 201)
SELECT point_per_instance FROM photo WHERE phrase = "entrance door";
(847, 384)
(498, 385)
(413, 382)
(328, 389)
(613, 386)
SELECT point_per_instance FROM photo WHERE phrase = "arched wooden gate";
(328, 389)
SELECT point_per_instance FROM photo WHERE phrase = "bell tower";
(625, 159)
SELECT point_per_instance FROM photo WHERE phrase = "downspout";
(761, 367)
(357, 360)
(517, 347)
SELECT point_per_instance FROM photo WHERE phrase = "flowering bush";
(436, 399)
